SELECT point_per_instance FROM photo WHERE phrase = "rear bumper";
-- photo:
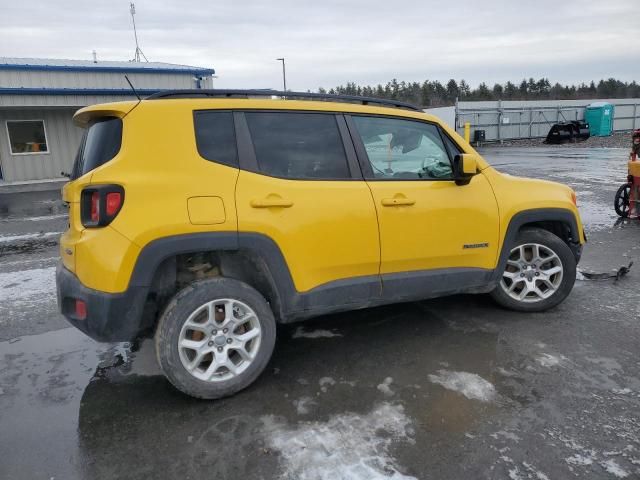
(111, 317)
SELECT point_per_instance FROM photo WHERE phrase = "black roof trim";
(219, 93)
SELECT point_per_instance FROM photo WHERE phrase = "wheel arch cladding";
(236, 254)
(550, 219)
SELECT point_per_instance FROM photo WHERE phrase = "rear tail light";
(100, 204)
(95, 207)
(114, 201)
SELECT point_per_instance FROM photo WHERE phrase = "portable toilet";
(599, 116)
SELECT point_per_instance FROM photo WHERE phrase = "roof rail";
(219, 93)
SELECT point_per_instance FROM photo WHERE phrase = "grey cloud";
(332, 42)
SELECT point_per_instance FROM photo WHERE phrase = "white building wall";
(57, 106)
(63, 139)
(95, 79)
(77, 101)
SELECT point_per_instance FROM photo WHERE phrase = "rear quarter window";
(215, 137)
(101, 142)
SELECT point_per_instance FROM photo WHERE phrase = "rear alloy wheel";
(539, 274)
(621, 202)
(215, 338)
(219, 340)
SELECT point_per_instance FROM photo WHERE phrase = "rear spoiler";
(117, 109)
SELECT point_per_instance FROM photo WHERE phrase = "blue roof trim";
(98, 67)
(79, 91)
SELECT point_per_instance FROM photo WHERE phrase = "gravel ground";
(617, 140)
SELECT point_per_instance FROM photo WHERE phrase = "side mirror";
(465, 166)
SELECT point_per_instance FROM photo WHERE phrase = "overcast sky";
(331, 42)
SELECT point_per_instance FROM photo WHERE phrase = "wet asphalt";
(447, 388)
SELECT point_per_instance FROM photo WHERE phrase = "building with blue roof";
(38, 98)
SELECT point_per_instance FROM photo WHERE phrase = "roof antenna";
(132, 88)
(136, 56)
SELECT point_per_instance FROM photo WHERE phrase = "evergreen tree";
(453, 91)
(435, 94)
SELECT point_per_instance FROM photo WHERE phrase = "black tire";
(621, 202)
(176, 314)
(568, 263)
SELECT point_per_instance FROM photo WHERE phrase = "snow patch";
(385, 387)
(514, 474)
(301, 333)
(547, 360)
(579, 459)
(508, 435)
(27, 236)
(347, 446)
(468, 384)
(533, 470)
(622, 391)
(507, 373)
(324, 381)
(28, 287)
(612, 467)
(45, 218)
(302, 405)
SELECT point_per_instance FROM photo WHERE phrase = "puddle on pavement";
(443, 376)
(86, 409)
(594, 173)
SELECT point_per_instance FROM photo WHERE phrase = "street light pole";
(284, 73)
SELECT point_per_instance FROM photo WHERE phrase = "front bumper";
(111, 317)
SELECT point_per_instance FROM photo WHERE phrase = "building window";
(27, 136)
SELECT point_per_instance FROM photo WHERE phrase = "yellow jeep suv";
(205, 217)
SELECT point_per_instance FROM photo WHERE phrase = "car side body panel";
(321, 255)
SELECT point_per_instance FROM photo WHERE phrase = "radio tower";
(136, 57)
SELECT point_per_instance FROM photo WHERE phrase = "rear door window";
(101, 142)
(298, 145)
(215, 137)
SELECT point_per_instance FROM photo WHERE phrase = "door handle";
(270, 202)
(397, 202)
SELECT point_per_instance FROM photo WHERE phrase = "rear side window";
(298, 145)
(101, 142)
(216, 138)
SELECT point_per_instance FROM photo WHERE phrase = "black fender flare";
(155, 252)
(532, 216)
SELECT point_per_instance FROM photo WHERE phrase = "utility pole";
(136, 57)
(284, 73)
